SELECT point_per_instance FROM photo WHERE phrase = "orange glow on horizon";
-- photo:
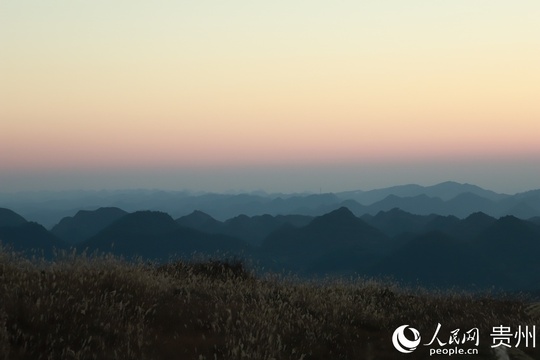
(98, 85)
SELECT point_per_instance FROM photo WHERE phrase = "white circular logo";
(402, 343)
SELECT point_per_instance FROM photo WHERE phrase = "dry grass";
(103, 308)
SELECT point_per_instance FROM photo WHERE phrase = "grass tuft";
(83, 307)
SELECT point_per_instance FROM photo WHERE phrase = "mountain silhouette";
(309, 204)
(446, 198)
(10, 218)
(434, 259)
(467, 203)
(445, 191)
(475, 252)
(513, 245)
(444, 224)
(355, 207)
(326, 236)
(156, 236)
(420, 204)
(523, 205)
(523, 209)
(201, 221)
(472, 226)
(397, 221)
(253, 230)
(450, 189)
(256, 228)
(86, 224)
(30, 238)
(460, 229)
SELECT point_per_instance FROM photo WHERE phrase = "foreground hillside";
(80, 308)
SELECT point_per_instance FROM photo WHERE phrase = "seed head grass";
(88, 307)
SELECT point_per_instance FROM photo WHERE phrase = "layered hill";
(252, 229)
(475, 252)
(322, 244)
(10, 218)
(156, 236)
(29, 238)
(448, 198)
(86, 223)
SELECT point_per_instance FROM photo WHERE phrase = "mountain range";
(477, 252)
(448, 198)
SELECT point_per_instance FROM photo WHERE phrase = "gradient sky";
(275, 95)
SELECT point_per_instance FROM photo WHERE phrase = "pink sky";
(98, 88)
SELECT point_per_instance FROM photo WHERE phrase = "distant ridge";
(252, 230)
(478, 252)
(445, 191)
(155, 235)
(396, 221)
(434, 259)
(201, 221)
(446, 198)
(324, 240)
(86, 223)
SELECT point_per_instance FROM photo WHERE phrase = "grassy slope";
(80, 308)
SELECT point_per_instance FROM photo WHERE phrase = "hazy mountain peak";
(478, 216)
(467, 195)
(198, 216)
(393, 213)
(340, 220)
(509, 229)
(145, 221)
(508, 219)
(86, 223)
(239, 218)
(10, 218)
(341, 213)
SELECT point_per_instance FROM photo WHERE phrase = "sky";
(273, 95)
